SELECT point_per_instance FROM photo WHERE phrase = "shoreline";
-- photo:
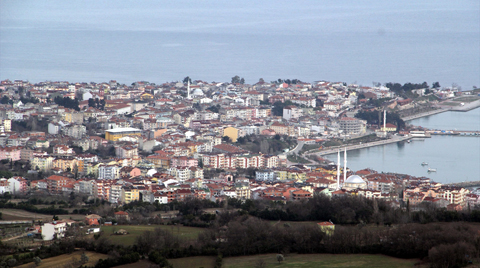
(361, 146)
(419, 115)
(444, 108)
(467, 107)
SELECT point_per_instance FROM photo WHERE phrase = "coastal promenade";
(415, 116)
(335, 149)
(467, 106)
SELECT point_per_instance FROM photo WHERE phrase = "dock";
(467, 133)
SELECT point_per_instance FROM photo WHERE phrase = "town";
(220, 141)
(159, 143)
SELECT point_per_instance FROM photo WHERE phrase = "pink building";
(11, 153)
(183, 161)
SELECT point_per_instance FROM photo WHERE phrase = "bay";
(456, 158)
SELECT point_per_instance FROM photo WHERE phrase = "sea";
(455, 158)
(164, 41)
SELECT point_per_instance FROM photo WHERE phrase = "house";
(55, 229)
(389, 127)
(122, 215)
(327, 227)
(92, 219)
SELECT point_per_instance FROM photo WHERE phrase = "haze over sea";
(159, 41)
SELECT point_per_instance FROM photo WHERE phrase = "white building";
(264, 175)
(53, 230)
(108, 172)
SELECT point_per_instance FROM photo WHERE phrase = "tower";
(385, 120)
(338, 170)
(345, 166)
(188, 89)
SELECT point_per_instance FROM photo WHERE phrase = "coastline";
(444, 108)
(395, 139)
(467, 107)
(419, 115)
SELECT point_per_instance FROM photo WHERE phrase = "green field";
(318, 260)
(200, 261)
(187, 233)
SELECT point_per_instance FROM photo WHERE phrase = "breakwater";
(465, 184)
(419, 115)
(335, 149)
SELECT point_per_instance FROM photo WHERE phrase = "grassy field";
(60, 261)
(138, 264)
(188, 233)
(318, 260)
(9, 214)
(201, 261)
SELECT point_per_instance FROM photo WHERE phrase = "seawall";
(335, 149)
(467, 107)
(419, 115)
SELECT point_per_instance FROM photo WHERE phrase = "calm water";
(456, 158)
(159, 41)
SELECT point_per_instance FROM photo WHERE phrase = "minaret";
(345, 165)
(188, 89)
(385, 120)
(338, 170)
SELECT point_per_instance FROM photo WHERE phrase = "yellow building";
(43, 163)
(389, 127)
(65, 163)
(91, 168)
(130, 194)
(67, 117)
(117, 133)
(231, 132)
(281, 175)
(7, 125)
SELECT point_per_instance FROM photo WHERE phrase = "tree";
(280, 258)
(6, 100)
(226, 139)
(37, 261)
(242, 81)
(236, 79)
(436, 85)
(91, 102)
(84, 258)
(187, 79)
(11, 262)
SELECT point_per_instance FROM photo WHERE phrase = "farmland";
(318, 260)
(184, 232)
(65, 259)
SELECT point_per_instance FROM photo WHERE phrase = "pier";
(468, 133)
(465, 184)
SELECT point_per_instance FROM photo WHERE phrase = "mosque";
(353, 181)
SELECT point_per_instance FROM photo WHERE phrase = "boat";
(408, 141)
(424, 164)
(432, 170)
